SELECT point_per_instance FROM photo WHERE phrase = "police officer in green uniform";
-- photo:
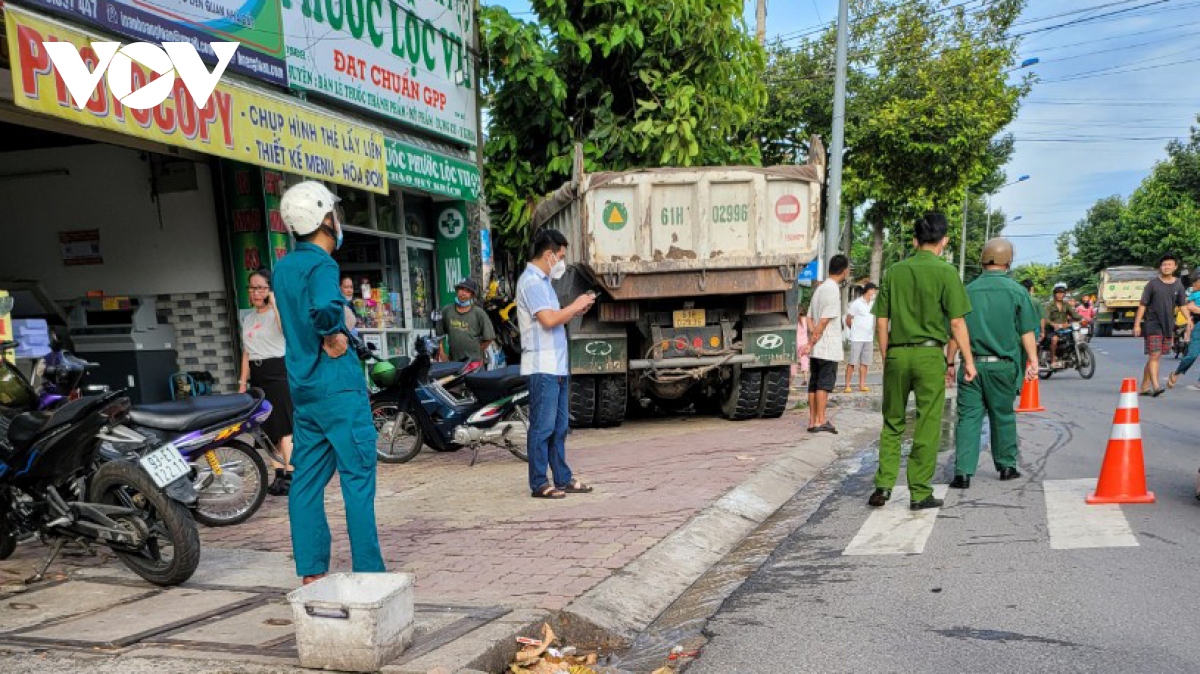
(917, 299)
(332, 417)
(1002, 324)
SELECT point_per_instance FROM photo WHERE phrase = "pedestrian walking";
(544, 361)
(333, 426)
(467, 328)
(1001, 326)
(1155, 320)
(917, 299)
(263, 367)
(861, 324)
(825, 343)
(1192, 310)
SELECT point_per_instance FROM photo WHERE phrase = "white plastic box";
(353, 622)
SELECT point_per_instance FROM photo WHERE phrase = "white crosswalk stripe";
(894, 529)
(1071, 522)
(1074, 524)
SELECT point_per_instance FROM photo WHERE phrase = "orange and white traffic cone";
(1123, 476)
(1031, 397)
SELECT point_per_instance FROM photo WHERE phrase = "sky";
(1110, 92)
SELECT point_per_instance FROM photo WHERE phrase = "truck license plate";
(165, 465)
(689, 318)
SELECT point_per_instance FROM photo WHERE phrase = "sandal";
(1158, 392)
(549, 492)
(577, 487)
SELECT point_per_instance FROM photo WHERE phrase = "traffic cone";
(1123, 476)
(1030, 397)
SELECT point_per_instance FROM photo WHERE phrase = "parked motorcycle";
(413, 410)
(1074, 353)
(54, 484)
(229, 474)
(502, 310)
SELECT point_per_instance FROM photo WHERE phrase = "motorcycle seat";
(439, 370)
(492, 385)
(26, 428)
(193, 414)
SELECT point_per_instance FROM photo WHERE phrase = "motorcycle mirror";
(435, 316)
(373, 346)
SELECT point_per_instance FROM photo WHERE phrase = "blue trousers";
(1192, 353)
(336, 435)
(549, 421)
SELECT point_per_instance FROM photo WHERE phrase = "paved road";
(1003, 583)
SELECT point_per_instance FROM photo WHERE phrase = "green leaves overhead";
(641, 83)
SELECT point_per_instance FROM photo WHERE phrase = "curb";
(611, 614)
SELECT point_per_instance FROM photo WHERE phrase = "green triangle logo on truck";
(615, 216)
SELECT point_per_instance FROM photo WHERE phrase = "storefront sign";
(6, 331)
(237, 123)
(421, 169)
(453, 250)
(255, 24)
(243, 185)
(407, 60)
(80, 247)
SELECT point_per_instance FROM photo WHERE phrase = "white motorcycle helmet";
(305, 205)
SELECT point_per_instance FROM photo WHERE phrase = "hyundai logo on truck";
(770, 342)
(179, 58)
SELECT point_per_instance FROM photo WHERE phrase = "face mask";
(558, 270)
(338, 244)
(463, 303)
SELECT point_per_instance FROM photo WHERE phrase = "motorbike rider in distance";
(1058, 315)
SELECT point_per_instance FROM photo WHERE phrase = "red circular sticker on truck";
(787, 208)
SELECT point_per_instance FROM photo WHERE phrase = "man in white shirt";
(825, 343)
(862, 337)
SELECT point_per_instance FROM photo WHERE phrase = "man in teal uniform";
(919, 296)
(332, 420)
(1002, 325)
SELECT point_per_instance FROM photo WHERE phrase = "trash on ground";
(743, 457)
(537, 657)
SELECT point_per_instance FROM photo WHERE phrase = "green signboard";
(409, 166)
(453, 250)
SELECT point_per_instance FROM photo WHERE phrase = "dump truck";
(695, 271)
(1119, 297)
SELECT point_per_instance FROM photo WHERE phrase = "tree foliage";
(639, 83)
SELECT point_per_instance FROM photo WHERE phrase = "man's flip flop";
(550, 493)
(1158, 392)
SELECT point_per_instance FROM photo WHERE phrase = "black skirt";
(270, 375)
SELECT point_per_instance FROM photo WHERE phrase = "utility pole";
(962, 244)
(833, 209)
(760, 16)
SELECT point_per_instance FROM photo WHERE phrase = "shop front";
(172, 207)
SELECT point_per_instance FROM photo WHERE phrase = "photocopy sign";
(404, 59)
(254, 24)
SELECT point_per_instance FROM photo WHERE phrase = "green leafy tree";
(1042, 275)
(639, 83)
(1100, 239)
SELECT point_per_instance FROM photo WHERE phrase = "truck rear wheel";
(777, 383)
(583, 402)
(743, 395)
(612, 393)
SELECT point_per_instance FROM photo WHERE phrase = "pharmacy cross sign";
(451, 224)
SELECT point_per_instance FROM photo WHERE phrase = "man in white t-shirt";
(862, 337)
(825, 343)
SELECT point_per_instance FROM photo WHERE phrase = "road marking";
(1074, 524)
(894, 529)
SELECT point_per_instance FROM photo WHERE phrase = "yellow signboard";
(237, 122)
(6, 330)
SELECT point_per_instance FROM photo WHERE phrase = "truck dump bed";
(673, 232)
(1122, 286)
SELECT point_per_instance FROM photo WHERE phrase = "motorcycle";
(1074, 353)
(502, 311)
(230, 475)
(55, 485)
(1180, 345)
(415, 410)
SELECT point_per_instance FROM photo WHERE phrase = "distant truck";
(696, 274)
(1119, 296)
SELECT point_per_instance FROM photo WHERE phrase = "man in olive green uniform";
(919, 296)
(1002, 324)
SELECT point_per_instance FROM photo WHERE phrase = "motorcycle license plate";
(1083, 331)
(689, 318)
(165, 465)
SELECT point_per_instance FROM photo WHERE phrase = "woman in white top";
(263, 367)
